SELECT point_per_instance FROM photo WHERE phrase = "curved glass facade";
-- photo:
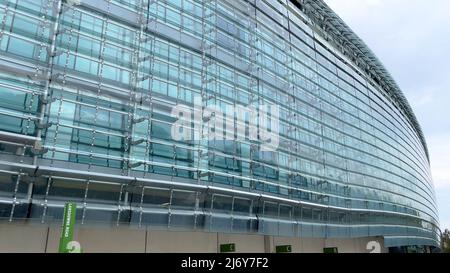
(87, 91)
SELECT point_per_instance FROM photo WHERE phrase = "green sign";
(228, 248)
(330, 250)
(66, 239)
(283, 249)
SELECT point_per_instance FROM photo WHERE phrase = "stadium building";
(94, 95)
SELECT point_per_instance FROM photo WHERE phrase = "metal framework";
(136, 175)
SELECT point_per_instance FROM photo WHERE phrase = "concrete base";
(45, 238)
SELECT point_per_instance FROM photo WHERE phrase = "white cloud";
(444, 208)
(439, 146)
(423, 99)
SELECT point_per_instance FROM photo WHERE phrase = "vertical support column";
(133, 118)
(44, 102)
(209, 34)
(135, 92)
(103, 38)
(253, 84)
(37, 150)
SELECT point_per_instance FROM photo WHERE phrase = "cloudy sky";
(412, 39)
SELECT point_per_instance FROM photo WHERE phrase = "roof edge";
(328, 21)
